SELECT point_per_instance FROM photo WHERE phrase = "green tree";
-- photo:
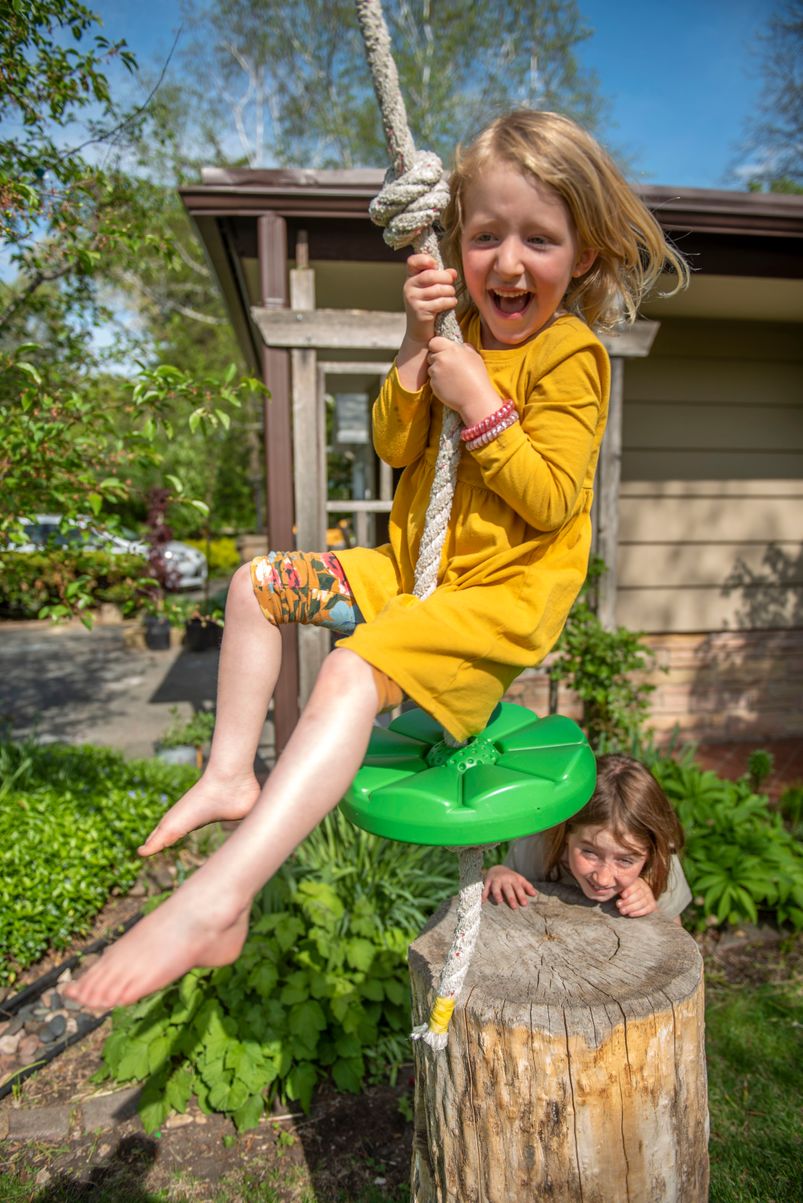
(772, 152)
(73, 441)
(292, 84)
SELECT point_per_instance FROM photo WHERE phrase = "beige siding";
(711, 502)
(740, 685)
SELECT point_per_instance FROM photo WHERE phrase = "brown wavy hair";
(629, 802)
(632, 249)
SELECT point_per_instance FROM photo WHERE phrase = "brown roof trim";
(328, 193)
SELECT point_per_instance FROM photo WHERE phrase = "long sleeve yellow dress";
(517, 547)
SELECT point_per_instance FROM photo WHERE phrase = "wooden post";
(609, 472)
(632, 343)
(272, 249)
(309, 463)
(575, 1067)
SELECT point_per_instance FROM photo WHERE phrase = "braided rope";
(413, 197)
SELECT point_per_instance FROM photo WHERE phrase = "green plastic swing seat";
(521, 775)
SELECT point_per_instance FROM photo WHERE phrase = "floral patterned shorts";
(306, 587)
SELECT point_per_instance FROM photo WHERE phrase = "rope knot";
(411, 203)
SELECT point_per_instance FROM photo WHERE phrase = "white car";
(187, 564)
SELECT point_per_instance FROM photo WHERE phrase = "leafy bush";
(320, 987)
(70, 821)
(221, 554)
(606, 670)
(50, 581)
(790, 806)
(304, 998)
(194, 732)
(739, 857)
(402, 884)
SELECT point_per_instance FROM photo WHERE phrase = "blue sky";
(680, 77)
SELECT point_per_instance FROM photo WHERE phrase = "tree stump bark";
(575, 1067)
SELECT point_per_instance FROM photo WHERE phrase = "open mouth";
(511, 304)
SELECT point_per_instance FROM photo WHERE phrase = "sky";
(681, 78)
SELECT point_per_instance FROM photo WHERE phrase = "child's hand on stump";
(637, 900)
(506, 885)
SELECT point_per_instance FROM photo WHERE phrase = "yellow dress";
(517, 547)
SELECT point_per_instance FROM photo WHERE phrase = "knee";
(240, 597)
(343, 669)
(350, 677)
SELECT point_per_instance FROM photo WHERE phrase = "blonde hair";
(630, 803)
(632, 250)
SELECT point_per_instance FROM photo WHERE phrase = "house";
(700, 505)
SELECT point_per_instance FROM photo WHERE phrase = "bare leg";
(205, 921)
(250, 659)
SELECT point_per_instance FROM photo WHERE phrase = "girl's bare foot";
(158, 950)
(212, 799)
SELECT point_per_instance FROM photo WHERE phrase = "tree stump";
(575, 1067)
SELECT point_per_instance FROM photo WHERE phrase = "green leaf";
(158, 1051)
(134, 1063)
(360, 954)
(153, 1112)
(301, 1083)
(179, 1088)
(306, 1017)
(249, 1113)
(348, 1074)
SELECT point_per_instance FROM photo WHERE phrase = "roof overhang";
(723, 234)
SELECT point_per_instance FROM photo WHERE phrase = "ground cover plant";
(70, 821)
(741, 859)
(319, 989)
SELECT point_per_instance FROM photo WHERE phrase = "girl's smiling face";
(519, 250)
(601, 863)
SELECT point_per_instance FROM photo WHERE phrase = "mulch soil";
(348, 1147)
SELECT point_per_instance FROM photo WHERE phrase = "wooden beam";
(367, 329)
(336, 329)
(272, 240)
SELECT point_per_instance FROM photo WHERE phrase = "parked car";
(187, 564)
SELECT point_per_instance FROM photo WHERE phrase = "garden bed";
(356, 1148)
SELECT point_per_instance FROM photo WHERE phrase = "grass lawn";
(755, 1085)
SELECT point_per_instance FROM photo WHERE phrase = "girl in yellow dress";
(546, 241)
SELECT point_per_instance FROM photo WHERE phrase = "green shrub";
(221, 554)
(70, 821)
(790, 807)
(401, 883)
(606, 670)
(194, 732)
(313, 988)
(44, 583)
(320, 988)
(739, 857)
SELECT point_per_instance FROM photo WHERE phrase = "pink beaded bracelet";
(506, 410)
(489, 435)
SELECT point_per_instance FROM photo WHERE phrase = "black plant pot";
(157, 633)
(201, 636)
